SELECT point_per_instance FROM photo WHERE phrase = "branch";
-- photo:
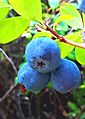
(13, 86)
(63, 39)
(9, 91)
(11, 62)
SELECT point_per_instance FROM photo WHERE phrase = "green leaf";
(71, 114)
(71, 56)
(62, 26)
(73, 107)
(27, 35)
(54, 3)
(62, 18)
(80, 55)
(83, 18)
(49, 85)
(4, 9)
(66, 48)
(42, 34)
(82, 116)
(12, 28)
(28, 8)
(68, 9)
(4, 1)
(16, 80)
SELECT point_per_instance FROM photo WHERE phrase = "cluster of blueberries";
(44, 64)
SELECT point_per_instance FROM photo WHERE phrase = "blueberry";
(82, 6)
(43, 54)
(32, 79)
(67, 77)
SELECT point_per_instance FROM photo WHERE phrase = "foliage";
(20, 19)
(62, 24)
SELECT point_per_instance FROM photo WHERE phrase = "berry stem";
(63, 39)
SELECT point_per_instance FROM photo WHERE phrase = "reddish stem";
(62, 39)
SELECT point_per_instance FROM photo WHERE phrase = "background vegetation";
(20, 22)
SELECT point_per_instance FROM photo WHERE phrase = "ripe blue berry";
(32, 79)
(67, 77)
(82, 6)
(43, 54)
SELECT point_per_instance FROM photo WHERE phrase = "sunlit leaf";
(71, 56)
(80, 55)
(83, 18)
(28, 8)
(62, 26)
(68, 9)
(42, 34)
(4, 1)
(4, 9)
(62, 18)
(54, 3)
(12, 28)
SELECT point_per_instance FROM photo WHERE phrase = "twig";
(13, 86)
(63, 39)
(11, 62)
(39, 29)
(9, 91)
(70, 1)
(60, 103)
